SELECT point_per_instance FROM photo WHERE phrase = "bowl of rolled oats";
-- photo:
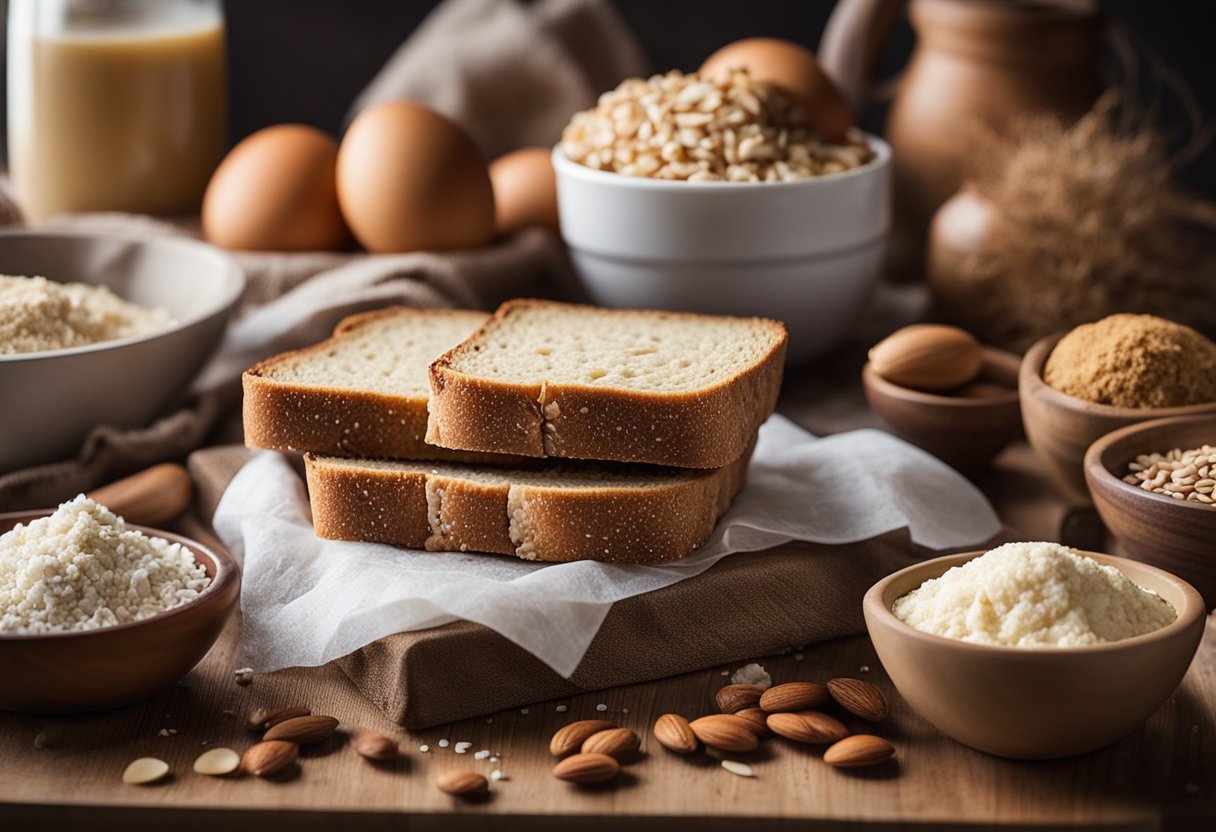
(677, 192)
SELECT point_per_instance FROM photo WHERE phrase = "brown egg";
(794, 69)
(411, 180)
(276, 191)
(525, 190)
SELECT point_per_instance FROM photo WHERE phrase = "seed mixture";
(1183, 475)
(1134, 361)
(38, 315)
(678, 126)
(1034, 595)
(81, 568)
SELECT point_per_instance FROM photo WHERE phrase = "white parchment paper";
(307, 601)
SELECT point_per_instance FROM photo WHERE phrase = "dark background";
(305, 60)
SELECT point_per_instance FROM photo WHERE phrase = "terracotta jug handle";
(852, 44)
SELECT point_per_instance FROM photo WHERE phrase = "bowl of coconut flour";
(1035, 650)
(101, 330)
(96, 613)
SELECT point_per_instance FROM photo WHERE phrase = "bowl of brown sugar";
(1124, 369)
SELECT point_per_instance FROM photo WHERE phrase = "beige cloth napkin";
(561, 55)
(512, 75)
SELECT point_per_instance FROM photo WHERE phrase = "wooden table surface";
(65, 772)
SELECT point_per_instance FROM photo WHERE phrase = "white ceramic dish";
(51, 400)
(807, 253)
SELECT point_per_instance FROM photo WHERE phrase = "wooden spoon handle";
(149, 497)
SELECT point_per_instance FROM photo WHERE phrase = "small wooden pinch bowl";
(1173, 534)
(1035, 703)
(92, 670)
(964, 432)
(1061, 428)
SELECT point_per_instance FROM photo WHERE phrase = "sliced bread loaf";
(543, 512)
(560, 380)
(362, 392)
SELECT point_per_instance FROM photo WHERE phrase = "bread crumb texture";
(656, 352)
(81, 568)
(40, 315)
(384, 352)
(1034, 595)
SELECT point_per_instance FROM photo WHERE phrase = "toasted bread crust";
(442, 512)
(294, 417)
(707, 428)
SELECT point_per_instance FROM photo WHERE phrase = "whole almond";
(674, 733)
(570, 738)
(859, 698)
(928, 357)
(737, 697)
(269, 757)
(725, 732)
(807, 726)
(145, 770)
(373, 746)
(619, 743)
(462, 782)
(757, 720)
(149, 497)
(303, 729)
(859, 751)
(794, 696)
(263, 718)
(587, 768)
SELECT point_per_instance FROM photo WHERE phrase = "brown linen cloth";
(562, 54)
(747, 605)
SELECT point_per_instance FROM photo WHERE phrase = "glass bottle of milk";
(115, 105)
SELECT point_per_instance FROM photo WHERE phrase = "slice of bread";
(536, 511)
(550, 379)
(362, 392)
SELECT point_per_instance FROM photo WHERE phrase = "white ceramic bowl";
(807, 253)
(51, 400)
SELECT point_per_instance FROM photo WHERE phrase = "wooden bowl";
(965, 433)
(1035, 703)
(90, 670)
(1061, 427)
(1172, 534)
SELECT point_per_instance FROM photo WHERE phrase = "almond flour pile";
(81, 569)
(37, 315)
(678, 126)
(1034, 595)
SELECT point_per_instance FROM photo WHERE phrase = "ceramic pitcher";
(977, 64)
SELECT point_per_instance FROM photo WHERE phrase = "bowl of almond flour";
(101, 330)
(1034, 650)
(96, 613)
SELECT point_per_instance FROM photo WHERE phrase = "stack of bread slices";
(549, 431)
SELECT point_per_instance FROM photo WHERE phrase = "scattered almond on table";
(270, 757)
(377, 747)
(462, 783)
(570, 738)
(675, 734)
(217, 762)
(145, 770)
(587, 768)
(303, 729)
(621, 744)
